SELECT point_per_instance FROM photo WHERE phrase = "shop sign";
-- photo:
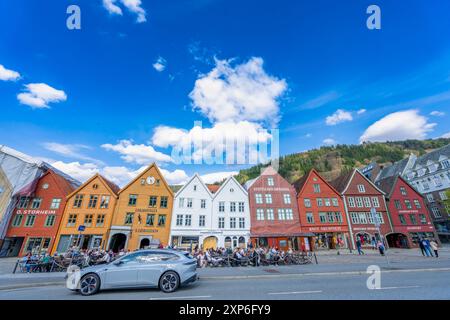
(145, 230)
(36, 212)
(326, 229)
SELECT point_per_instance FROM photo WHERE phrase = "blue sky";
(312, 59)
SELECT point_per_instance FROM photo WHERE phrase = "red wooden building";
(360, 195)
(35, 221)
(273, 209)
(409, 215)
(322, 213)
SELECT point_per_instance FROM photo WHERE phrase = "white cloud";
(338, 117)
(243, 92)
(437, 113)
(175, 177)
(79, 171)
(396, 126)
(361, 111)
(39, 95)
(69, 150)
(211, 178)
(320, 100)
(134, 6)
(160, 64)
(8, 75)
(329, 142)
(137, 153)
(446, 135)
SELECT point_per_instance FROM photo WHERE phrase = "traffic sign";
(81, 228)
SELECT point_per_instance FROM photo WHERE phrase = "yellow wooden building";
(87, 216)
(143, 213)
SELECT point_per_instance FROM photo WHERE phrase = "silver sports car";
(166, 269)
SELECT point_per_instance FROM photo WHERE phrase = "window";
(367, 202)
(181, 203)
(281, 214)
(179, 219)
(270, 215)
(403, 191)
(164, 201)
(359, 202)
(289, 214)
(203, 203)
(129, 218)
(398, 204)
(23, 202)
(36, 203)
(188, 220)
(17, 220)
(380, 218)
(189, 202)
(323, 217)
(161, 220)
(104, 202)
(152, 201)
(338, 217)
(362, 217)
(437, 181)
(88, 220)
(330, 217)
(259, 214)
(408, 204)
(370, 218)
(268, 198)
(287, 198)
(319, 202)
(436, 212)
(351, 202)
(221, 222)
(417, 204)
(327, 202)
(195, 187)
(150, 221)
(221, 206)
(310, 217)
(413, 219)
(92, 201)
(316, 188)
(29, 221)
(355, 218)
(132, 199)
(443, 195)
(100, 220)
(232, 206)
(423, 219)
(402, 219)
(72, 220)
(270, 182)
(258, 198)
(335, 202)
(201, 221)
(445, 164)
(307, 202)
(50, 220)
(241, 223)
(361, 188)
(232, 223)
(430, 197)
(241, 206)
(55, 203)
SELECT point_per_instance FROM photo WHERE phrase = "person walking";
(381, 247)
(374, 243)
(434, 247)
(422, 247)
(428, 247)
(358, 246)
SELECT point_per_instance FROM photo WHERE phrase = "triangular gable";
(356, 171)
(315, 172)
(226, 182)
(95, 176)
(196, 175)
(140, 175)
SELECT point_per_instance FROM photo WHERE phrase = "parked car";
(153, 268)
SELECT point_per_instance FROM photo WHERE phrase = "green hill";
(332, 161)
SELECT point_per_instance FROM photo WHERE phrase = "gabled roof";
(143, 172)
(393, 170)
(268, 171)
(213, 187)
(300, 183)
(388, 184)
(196, 175)
(112, 187)
(342, 183)
(226, 182)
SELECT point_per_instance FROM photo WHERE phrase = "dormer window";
(445, 164)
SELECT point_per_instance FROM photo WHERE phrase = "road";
(430, 284)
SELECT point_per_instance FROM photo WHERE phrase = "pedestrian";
(358, 246)
(426, 244)
(374, 243)
(422, 247)
(381, 247)
(434, 246)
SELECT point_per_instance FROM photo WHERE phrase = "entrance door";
(210, 243)
(118, 242)
(144, 243)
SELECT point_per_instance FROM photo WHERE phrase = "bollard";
(315, 258)
(15, 267)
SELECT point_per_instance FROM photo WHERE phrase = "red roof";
(213, 187)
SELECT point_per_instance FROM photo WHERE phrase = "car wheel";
(169, 282)
(89, 284)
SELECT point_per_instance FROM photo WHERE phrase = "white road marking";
(392, 288)
(174, 298)
(296, 292)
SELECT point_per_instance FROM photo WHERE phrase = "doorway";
(118, 242)
(144, 243)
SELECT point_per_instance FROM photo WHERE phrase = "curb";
(30, 285)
